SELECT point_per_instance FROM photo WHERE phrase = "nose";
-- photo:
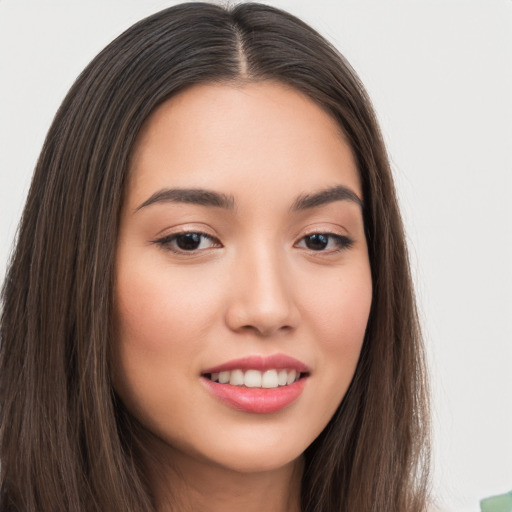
(262, 298)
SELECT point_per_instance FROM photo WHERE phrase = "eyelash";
(167, 242)
(341, 242)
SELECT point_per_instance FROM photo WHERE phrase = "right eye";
(325, 242)
(187, 242)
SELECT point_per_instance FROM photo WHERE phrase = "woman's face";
(243, 283)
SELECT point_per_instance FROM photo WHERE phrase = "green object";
(501, 503)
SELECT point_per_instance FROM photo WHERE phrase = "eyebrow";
(210, 198)
(192, 196)
(326, 196)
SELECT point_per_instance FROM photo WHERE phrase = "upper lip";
(261, 363)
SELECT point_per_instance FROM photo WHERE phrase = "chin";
(244, 454)
(259, 461)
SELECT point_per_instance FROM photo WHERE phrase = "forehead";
(224, 135)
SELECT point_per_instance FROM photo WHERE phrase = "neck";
(184, 484)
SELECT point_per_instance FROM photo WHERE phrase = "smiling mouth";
(268, 379)
(257, 384)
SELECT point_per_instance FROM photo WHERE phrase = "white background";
(440, 75)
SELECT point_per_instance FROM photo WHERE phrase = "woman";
(210, 305)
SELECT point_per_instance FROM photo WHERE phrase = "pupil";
(189, 241)
(317, 241)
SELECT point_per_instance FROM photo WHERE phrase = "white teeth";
(237, 378)
(252, 379)
(291, 377)
(224, 377)
(269, 379)
(256, 379)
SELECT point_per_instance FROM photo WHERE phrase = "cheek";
(162, 309)
(338, 314)
(339, 308)
(162, 321)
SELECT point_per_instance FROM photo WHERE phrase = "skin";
(254, 288)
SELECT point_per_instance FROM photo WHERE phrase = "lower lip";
(256, 400)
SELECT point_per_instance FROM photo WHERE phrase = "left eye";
(325, 242)
(188, 242)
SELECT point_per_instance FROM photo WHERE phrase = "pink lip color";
(261, 363)
(258, 400)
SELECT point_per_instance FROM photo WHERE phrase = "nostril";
(265, 331)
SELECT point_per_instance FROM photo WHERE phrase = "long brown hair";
(66, 442)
